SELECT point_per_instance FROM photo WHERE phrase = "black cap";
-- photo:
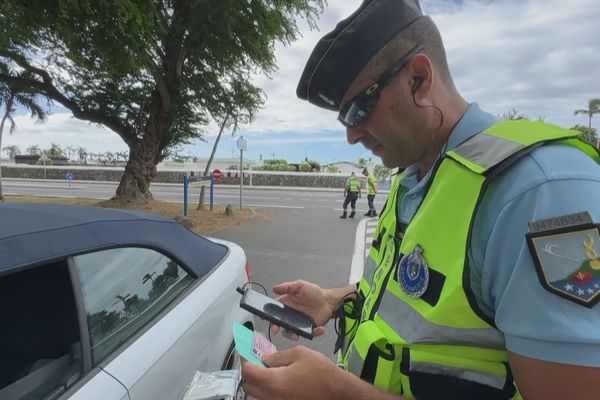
(340, 55)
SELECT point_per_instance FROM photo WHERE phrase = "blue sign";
(69, 176)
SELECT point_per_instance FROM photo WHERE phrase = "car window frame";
(89, 371)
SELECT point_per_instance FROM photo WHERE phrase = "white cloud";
(541, 57)
(64, 130)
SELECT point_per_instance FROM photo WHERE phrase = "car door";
(152, 324)
(101, 386)
(41, 351)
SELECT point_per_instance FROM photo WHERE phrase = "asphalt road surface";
(298, 244)
(286, 198)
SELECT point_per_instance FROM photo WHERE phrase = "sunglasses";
(358, 107)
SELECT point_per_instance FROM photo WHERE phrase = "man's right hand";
(309, 298)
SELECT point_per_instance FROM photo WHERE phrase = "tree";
(513, 115)
(332, 168)
(180, 64)
(382, 172)
(82, 154)
(593, 108)
(54, 151)
(69, 149)
(12, 151)
(227, 121)
(10, 97)
(587, 134)
(361, 163)
(33, 150)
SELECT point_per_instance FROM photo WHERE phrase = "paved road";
(298, 244)
(309, 199)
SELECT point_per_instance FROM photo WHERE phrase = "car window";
(123, 290)
(40, 344)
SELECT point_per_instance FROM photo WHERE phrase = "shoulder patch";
(567, 261)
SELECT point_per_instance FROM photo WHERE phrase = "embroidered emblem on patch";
(413, 273)
(567, 261)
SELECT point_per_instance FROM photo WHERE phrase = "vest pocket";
(432, 381)
(379, 368)
(372, 358)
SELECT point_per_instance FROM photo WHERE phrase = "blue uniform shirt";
(551, 181)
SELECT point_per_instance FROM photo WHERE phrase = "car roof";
(34, 233)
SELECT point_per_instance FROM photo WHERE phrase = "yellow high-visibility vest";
(421, 340)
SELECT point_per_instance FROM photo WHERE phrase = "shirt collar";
(473, 121)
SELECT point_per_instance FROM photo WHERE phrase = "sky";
(541, 57)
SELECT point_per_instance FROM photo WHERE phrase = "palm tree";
(12, 151)
(69, 149)
(10, 97)
(33, 150)
(593, 108)
(82, 153)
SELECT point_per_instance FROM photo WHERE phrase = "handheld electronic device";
(278, 313)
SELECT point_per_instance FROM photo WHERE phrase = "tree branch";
(47, 88)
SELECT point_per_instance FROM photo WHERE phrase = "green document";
(243, 338)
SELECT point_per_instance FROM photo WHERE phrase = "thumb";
(281, 358)
(285, 288)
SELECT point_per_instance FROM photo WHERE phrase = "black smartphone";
(278, 313)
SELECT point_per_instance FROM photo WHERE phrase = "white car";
(107, 304)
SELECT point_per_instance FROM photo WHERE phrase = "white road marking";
(362, 245)
(358, 260)
(273, 206)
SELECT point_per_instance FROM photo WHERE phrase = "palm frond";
(29, 101)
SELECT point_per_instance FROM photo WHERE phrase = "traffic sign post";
(242, 144)
(197, 181)
(43, 158)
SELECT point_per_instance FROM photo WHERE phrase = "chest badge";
(413, 273)
(568, 262)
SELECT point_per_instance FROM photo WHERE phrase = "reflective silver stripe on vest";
(415, 329)
(369, 270)
(486, 150)
(494, 381)
(355, 363)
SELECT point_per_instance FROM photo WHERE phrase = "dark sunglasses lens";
(354, 114)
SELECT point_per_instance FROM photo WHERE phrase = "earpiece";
(417, 84)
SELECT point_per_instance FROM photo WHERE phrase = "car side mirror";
(217, 385)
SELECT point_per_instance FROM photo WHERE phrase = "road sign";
(69, 176)
(199, 181)
(242, 143)
(217, 173)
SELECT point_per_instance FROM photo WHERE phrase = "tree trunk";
(140, 169)
(209, 162)
(8, 105)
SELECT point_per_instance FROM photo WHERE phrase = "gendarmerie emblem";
(567, 260)
(413, 273)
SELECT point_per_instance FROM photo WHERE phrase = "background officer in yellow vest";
(371, 192)
(351, 194)
(484, 275)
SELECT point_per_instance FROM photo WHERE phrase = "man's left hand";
(296, 374)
